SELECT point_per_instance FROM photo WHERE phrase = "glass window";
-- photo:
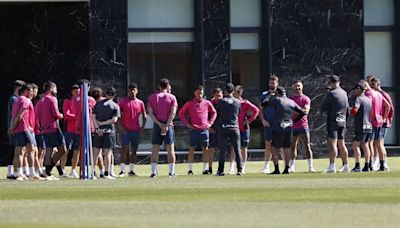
(160, 13)
(378, 56)
(378, 12)
(245, 13)
(160, 37)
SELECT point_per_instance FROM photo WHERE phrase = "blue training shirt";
(269, 112)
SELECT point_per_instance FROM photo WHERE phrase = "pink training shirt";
(69, 115)
(377, 107)
(387, 97)
(27, 123)
(201, 113)
(76, 103)
(301, 101)
(161, 103)
(48, 114)
(247, 107)
(131, 110)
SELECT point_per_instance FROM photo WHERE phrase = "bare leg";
(190, 158)
(107, 158)
(154, 158)
(171, 158)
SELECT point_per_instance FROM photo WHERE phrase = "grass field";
(253, 200)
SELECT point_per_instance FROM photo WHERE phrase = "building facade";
(208, 42)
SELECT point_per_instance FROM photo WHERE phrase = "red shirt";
(387, 97)
(76, 103)
(27, 122)
(69, 115)
(301, 101)
(161, 103)
(48, 114)
(377, 107)
(202, 113)
(130, 111)
(247, 107)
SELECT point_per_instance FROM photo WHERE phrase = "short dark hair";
(239, 88)
(132, 86)
(375, 79)
(198, 87)
(18, 84)
(74, 87)
(273, 77)
(297, 81)
(35, 86)
(229, 87)
(26, 87)
(48, 85)
(216, 90)
(163, 83)
(370, 77)
(81, 81)
(111, 92)
(96, 93)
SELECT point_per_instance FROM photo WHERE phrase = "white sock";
(32, 171)
(122, 167)
(332, 166)
(266, 165)
(40, 171)
(10, 170)
(19, 171)
(292, 163)
(102, 172)
(243, 167)
(232, 166)
(310, 163)
(190, 166)
(205, 166)
(172, 168)
(153, 168)
(26, 169)
(132, 167)
(112, 169)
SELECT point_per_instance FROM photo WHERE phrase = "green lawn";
(253, 200)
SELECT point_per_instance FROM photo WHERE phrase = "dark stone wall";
(216, 53)
(108, 44)
(40, 42)
(313, 38)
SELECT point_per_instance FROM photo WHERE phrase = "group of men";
(222, 123)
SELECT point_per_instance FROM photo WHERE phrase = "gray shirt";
(284, 109)
(362, 122)
(106, 110)
(228, 111)
(336, 106)
(10, 104)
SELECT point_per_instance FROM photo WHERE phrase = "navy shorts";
(55, 139)
(300, 131)
(245, 138)
(267, 134)
(214, 140)
(378, 133)
(199, 138)
(282, 138)
(158, 139)
(362, 136)
(71, 141)
(337, 133)
(131, 137)
(106, 141)
(384, 131)
(24, 138)
(40, 141)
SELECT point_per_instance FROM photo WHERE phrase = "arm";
(300, 112)
(213, 114)
(182, 115)
(67, 110)
(254, 113)
(153, 117)
(325, 103)
(54, 109)
(171, 115)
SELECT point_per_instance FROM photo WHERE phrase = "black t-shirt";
(362, 122)
(337, 107)
(105, 110)
(228, 112)
(284, 108)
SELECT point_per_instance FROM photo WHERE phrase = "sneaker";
(210, 171)
(19, 178)
(292, 170)
(52, 178)
(121, 174)
(356, 170)
(190, 173)
(286, 171)
(11, 177)
(206, 172)
(113, 175)
(221, 174)
(108, 177)
(64, 175)
(365, 170)
(345, 169)
(329, 170)
(74, 175)
(240, 174)
(132, 174)
(171, 175)
(101, 176)
(266, 170)
(231, 172)
(153, 175)
(36, 177)
(382, 169)
(42, 175)
(276, 171)
(25, 177)
(312, 170)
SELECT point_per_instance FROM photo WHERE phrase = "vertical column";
(108, 44)
(396, 43)
(216, 43)
(265, 43)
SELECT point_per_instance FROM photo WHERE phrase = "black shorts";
(55, 139)
(362, 136)
(106, 141)
(282, 138)
(336, 133)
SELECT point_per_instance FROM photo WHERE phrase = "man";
(217, 95)
(301, 130)
(336, 106)
(282, 128)
(162, 107)
(229, 135)
(105, 114)
(247, 114)
(14, 97)
(267, 115)
(76, 103)
(48, 117)
(131, 109)
(388, 123)
(71, 138)
(40, 149)
(202, 115)
(22, 127)
(361, 110)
